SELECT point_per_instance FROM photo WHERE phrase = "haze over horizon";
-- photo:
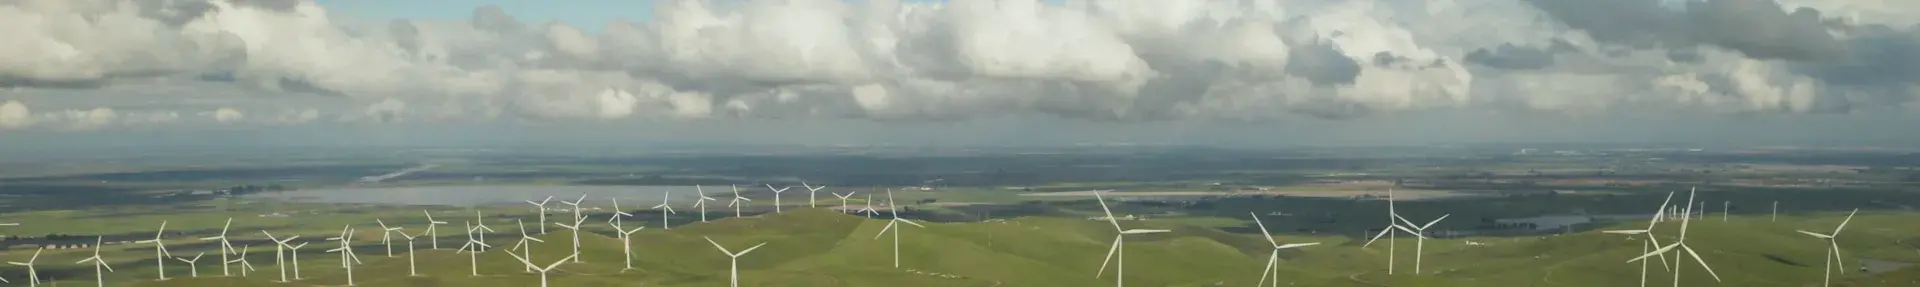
(104, 73)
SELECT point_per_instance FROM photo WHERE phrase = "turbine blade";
(717, 245)
(1703, 262)
(1409, 231)
(1263, 234)
(1661, 212)
(1435, 220)
(750, 249)
(1662, 250)
(1837, 259)
(1103, 208)
(910, 222)
(883, 230)
(1268, 271)
(1297, 245)
(1383, 232)
(1815, 234)
(1843, 223)
(1110, 251)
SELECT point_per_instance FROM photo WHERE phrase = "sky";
(127, 73)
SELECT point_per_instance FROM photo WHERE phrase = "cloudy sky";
(1244, 72)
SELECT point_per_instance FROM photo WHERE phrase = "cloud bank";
(292, 62)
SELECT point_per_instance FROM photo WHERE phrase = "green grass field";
(813, 247)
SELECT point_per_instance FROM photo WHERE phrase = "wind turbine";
(386, 235)
(195, 268)
(1725, 207)
(811, 192)
(1391, 231)
(776, 196)
(843, 200)
(225, 247)
(347, 259)
(1273, 259)
(896, 232)
(432, 235)
(869, 208)
(473, 248)
(410, 266)
(543, 271)
(702, 202)
(617, 214)
(1833, 252)
(1681, 244)
(1420, 243)
(576, 234)
(280, 253)
(626, 243)
(244, 264)
(734, 270)
(160, 253)
(543, 213)
(480, 229)
(295, 250)
(1651, 240)
(738, 201)
(1115, 254)
(665, 210)
(99, 276)
(1776, 211)
(33, 275)
(523, 246)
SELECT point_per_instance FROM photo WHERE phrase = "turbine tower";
(1116, 253)
(776, 197)
(1681, 245)
(1651, 241)
(738, 201)
(1273, 259)
(812, 191)
(543, 270)
(1833, 250)
(160, 253)
(386, 235)
(33, 275)
(522, 245)
(734, 270)
(99, 276)
(225, 247)
(665, 210)
(702, 202)
(347, 259)
(432, 234)
(1391, 232)
(896, 232)
(280, 253)
(542, 205)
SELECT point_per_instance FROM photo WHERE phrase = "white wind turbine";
(295, 250)
(225, 247)
(843, 200)
(160, 253)
(1116, 253)
(480, 229)
(432, 235)
(33, 275)
(191, 264)
(1391, 231)
(473, 248)
(1420, 241)
(543, 213)
(410, 266)
(869, 208)
(738, 201)
(1652, 241)
(1273, 259)
(280, 253)
(617, 214)
(386, 235)
(99, 276)
(1681, 244)
(811, 192)
(734, 271)
(702, 202)
(576, 234)
(347, 259)
(543, 271)
(1833, 252)
(626, 243)
(896, 232)
(776, 196)
(244, 264)
(665, 210)
(522, 245)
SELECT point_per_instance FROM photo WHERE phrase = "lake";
(511, 194)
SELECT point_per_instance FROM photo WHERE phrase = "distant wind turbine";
(347, 259)
(1391, 231)
(411, 271)
(1681, 245)
(280, 253)
(734, 271)
(618, 213)
(1833, 250)
(480, 230)
(295, 250)
(99, 277)
(191, 266)
(245, 265)
(665, 210)
(33, 275)
(738, 201)
(1420, 243)
(1273, 259)
(543, 270)
(543, 214)
(432, 234)
(869, 208)
(576, 235)
(811, 192)
(626, 244)
(473, 248)
(843, 200)
(702, 202)
(896, 232)
(226, 247)
(522, 245)
(160, 253)
(776, 197)
(386, 235)
(1651, 242)
(1116, 253)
